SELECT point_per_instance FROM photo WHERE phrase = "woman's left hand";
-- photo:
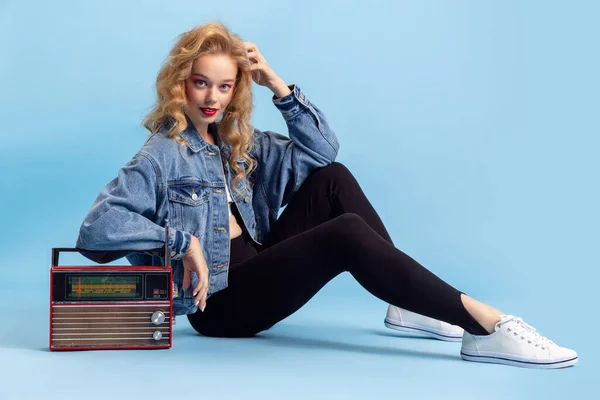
(263, 74)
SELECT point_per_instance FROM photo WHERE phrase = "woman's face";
(209, 88)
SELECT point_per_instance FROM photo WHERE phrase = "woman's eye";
(200, 83)
(225, 87)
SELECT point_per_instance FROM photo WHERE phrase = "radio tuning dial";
(158, 317)
(157, 335)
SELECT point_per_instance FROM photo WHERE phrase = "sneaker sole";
(422, 330)
(494, 359)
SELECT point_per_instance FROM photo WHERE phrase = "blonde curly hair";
(170, 108)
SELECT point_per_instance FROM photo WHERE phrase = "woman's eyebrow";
(200, 75)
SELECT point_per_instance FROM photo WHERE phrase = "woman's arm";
(122, 215)
(285, 162)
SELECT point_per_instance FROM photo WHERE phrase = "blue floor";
(336, 347)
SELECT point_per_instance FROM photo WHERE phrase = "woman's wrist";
(192, 247)
(280, 89)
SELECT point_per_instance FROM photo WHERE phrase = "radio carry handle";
(106, 256)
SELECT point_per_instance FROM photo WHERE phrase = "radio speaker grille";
(109, 326)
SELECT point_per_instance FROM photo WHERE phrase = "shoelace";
(528, 332)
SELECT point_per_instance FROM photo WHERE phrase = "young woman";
(239, 269)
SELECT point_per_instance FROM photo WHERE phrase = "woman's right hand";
(193, 261)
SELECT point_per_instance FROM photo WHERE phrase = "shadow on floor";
(325, 338)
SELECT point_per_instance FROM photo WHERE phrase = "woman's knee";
(349, 226)
(336, 170)
(331, 177)
(344, 239)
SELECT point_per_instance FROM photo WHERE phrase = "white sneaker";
(407, 321)
(516, 343)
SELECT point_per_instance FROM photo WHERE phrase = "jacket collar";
(194, 139)
(196, 143)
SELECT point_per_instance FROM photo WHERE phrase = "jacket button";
(246, 199)
(211, 153)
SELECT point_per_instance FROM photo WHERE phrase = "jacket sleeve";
(122, 216)
(284, 163)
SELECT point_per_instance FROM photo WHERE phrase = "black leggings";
(328, 227)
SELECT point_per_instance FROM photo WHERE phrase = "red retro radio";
(110, 307)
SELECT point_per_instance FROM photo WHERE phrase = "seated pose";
(238, 269)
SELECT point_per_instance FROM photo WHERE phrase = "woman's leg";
(276, 282)
(273, 284)
(332, 191)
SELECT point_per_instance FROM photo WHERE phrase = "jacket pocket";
(189, 206)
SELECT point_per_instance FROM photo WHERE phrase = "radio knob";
(157, 335)
(158, 317)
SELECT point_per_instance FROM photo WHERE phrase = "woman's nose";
(210, 97)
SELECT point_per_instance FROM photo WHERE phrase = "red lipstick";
(209, 112)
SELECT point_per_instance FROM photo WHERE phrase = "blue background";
(471, 125)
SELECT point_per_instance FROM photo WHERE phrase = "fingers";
(203, 293)
(256, 58)
(195, 263)
(187, 279)
(201, 290)
(197, 293)
(253, 53)
(198, 288)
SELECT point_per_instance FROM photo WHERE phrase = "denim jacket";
(187, 186)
